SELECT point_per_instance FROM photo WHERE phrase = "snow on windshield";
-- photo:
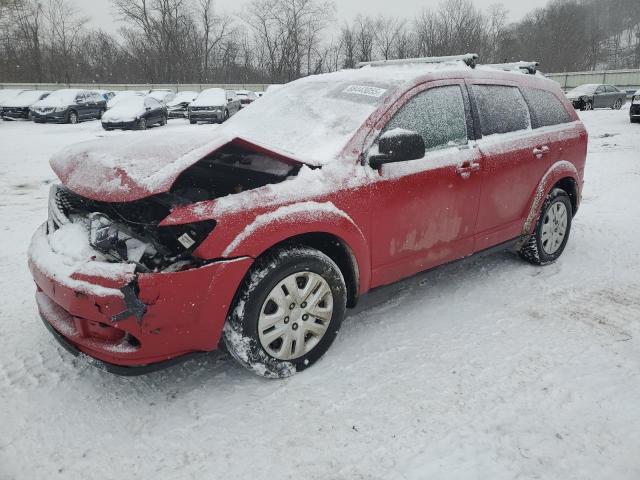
(214, 97)
(183, 97)
(582, 89)
(311, 119)
(60, 98)
(26, 98)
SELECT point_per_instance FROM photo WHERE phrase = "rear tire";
(287, 312)
(192, 122)
(552, 230)
(618, 104)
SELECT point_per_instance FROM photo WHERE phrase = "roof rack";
(469, 59)
(527, 67)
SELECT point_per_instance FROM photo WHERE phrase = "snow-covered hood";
(126, 111)
(130, 167)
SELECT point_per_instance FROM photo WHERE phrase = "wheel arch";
(562, 174)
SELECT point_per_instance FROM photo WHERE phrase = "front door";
(424, 211)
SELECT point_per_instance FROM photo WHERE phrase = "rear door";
(424, 211)
(81, 105)
(515, 158)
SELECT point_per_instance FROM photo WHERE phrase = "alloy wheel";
(554, 228)
(73, 118)
(295, 315)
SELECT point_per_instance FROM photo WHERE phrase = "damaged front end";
(121, 287)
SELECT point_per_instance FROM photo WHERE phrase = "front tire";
(73, 117)
(552, 230)
(142, 124)
(588, 106)
(287, 312)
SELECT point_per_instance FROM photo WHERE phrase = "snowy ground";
(492, 369)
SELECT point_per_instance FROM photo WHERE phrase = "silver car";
(594, 95)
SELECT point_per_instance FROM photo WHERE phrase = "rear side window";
(611, 89)
(437, 114)
(545, 107)
(501, 108)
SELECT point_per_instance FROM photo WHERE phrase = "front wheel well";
(570, 186)
(337, 250)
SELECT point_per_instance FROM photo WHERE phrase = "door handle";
(540, 152)
(467, 168)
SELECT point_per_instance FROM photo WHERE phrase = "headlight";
(636, 100)
(60, 109)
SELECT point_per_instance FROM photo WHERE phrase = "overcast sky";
(101, 15)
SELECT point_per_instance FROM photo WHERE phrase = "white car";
(20, 105)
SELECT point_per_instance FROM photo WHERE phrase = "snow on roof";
(60, 98)
(25, 99)
(212, 97)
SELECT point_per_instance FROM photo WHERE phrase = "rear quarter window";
(546, 109)
(501, 108)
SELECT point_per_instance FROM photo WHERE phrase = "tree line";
(276, 41)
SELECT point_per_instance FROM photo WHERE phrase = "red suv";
(158, 247)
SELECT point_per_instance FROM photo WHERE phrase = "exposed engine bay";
(129, 232)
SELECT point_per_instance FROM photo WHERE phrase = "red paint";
(394, 226)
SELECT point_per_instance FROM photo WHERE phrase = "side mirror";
(398, 145)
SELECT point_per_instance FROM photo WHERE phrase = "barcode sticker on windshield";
(363, 90)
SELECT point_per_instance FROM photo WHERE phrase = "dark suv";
(69, 106)
(634, 112)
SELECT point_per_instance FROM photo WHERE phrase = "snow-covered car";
(107, 94)
(179, 106)
(273, 88)
(9, 93)
(246, 97)
(163, 96)
(593, 95)
(214, 105)
(69, 106)
(634, 111)
(260, 233)
(122, 95)
(135, 112)
(20, 105)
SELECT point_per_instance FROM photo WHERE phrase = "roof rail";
(526, 67)
(469, 59)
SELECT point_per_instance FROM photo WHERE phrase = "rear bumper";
(121, 125)
(184, 312)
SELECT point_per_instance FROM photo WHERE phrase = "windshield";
(214, 97)
(60, 98)
(28, 97)
(311, 118)
(183, 97)
(584, 89)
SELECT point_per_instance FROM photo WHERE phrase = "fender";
(558, 171)
(273, 227)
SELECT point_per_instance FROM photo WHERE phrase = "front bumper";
(206, 116)
(184, 312)
(57, 117)
(121, 125)
(14, 112)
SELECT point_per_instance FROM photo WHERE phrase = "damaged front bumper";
(128, 320)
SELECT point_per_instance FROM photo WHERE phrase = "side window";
(612, 89)
(80, 98)
(600, 89)
(437, 114)
(502, 109)
(545, 107)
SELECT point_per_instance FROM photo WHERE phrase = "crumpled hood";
(133, 166)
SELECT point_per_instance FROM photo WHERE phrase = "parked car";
(69, 106)
(9, 93)
(163, 96)
(590, 96)
(122, 95)
(246, 97)
(179, 106)
(634, 112)
(259, 94)
(261, 233)
(214, 105)
(135, 113)
(20, 105)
